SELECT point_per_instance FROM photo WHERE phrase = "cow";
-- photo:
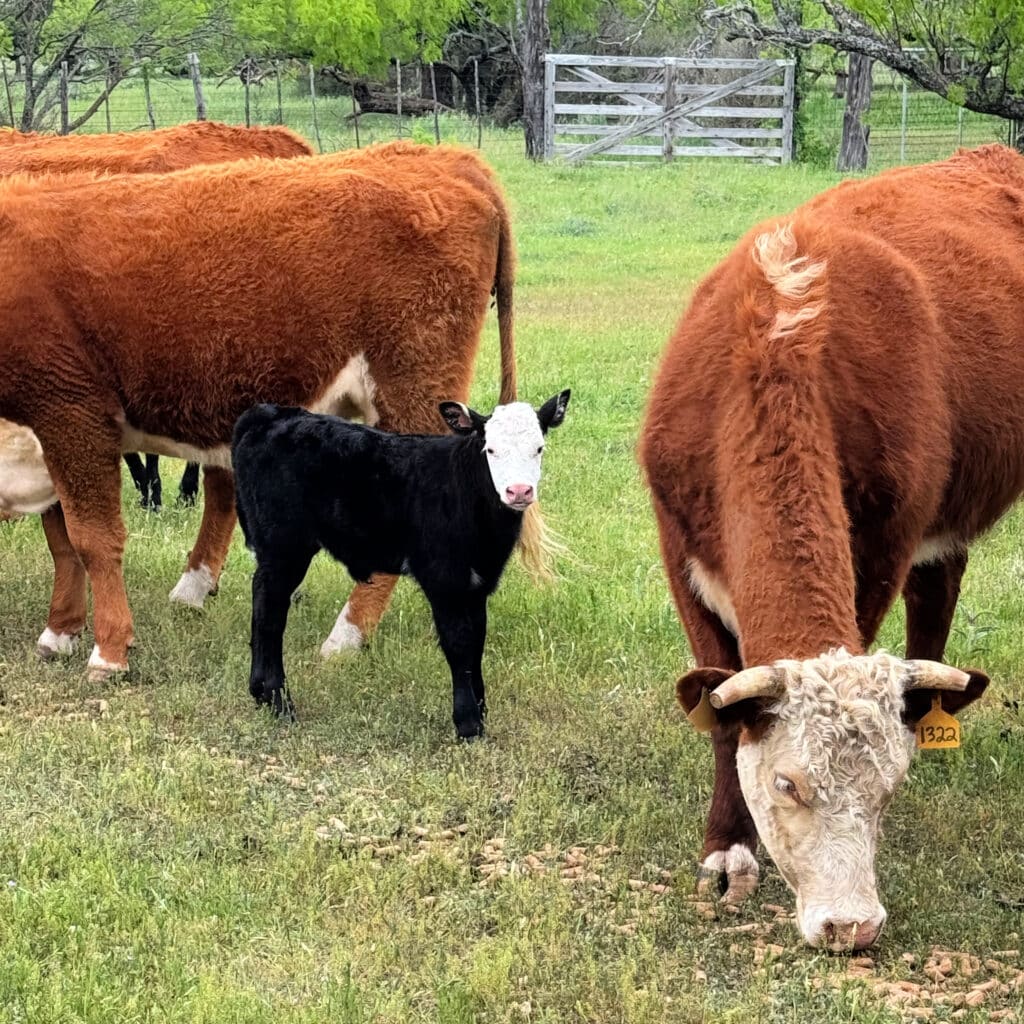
(349, 287)
(836, 417)
(446, 511)
(165, 149)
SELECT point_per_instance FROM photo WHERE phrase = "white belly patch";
(135, 440)
(25, 484)
(712, 593)
(350, 394)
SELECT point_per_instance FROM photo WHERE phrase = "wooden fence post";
(476, 95)
(549, 107)
(246, 69)
(355, 111)
(312, 100)
(433, 92)
(197, 86)
(788, 111)
(280, 108)
(668, 102)
(150, 114)
(7, 90)
(106, 101)
(64, 115)
(398, 94)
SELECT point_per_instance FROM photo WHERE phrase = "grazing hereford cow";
(165, 149)
(316, 282)
(446, 511)
(837, 416)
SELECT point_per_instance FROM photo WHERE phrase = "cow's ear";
(693, 691)
(918, 703)
(552, 412)
(461, 419)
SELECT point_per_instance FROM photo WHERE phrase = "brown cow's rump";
(166, 305)
(836, 417)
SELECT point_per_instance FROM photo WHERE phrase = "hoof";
(194, 587)
(470, 730)
(51, 645)
(734, 872)
(100, 670)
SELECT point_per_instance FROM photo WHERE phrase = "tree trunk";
(536, 40)
(1017, 135)
(853, 152)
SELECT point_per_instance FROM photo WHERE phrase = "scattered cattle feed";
(836, 418)
(446, 511)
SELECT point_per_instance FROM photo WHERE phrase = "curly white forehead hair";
(841, 710)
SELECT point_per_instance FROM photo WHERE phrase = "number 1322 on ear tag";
(938, 730)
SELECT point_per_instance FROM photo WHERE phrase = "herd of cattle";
(836, 418)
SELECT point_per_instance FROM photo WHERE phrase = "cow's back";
(258, 279)
(165, 149)
(921, 361)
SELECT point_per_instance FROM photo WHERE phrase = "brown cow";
(361, 292)
(154, 152)
(837, 416)
(22, 473)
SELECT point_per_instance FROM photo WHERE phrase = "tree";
(102, 38)
(972, 54)
(536, 40)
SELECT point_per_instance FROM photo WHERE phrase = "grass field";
(170, 854)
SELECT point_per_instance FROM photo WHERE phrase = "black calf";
(445, 510)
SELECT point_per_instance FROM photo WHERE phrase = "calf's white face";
(825, 745)
(513, 442)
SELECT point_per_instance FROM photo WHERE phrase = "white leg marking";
(345, 637)
(711, 592)
(51, 644)
(737, 860)
(194, 587)
(100, 668)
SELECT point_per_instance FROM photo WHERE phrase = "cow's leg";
(87, 478)
(930, 595)
(276, 577)
(879, 581)
(188, 489)
(66, 620)
(153, 479)
(729, 854)
(462, 630)
(139, 477)
(368, 601)
(207, 558)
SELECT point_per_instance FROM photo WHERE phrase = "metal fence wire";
(907, 124)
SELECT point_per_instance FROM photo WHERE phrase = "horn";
(933, 675)
(762, 681)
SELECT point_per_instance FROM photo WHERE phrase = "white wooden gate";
(668, 107)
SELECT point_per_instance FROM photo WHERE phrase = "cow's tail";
(538, 546)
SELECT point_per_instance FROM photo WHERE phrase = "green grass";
(170, 853)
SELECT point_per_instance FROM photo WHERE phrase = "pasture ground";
(170, 854)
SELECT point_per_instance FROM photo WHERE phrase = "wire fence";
(321, 108)
(907, 124)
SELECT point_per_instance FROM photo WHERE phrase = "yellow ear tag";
(938, 730)
(702, 717)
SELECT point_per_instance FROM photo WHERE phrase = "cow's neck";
(785, 529)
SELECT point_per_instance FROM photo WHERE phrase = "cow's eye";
(788, 786)
(540, 449)
(490, 451)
